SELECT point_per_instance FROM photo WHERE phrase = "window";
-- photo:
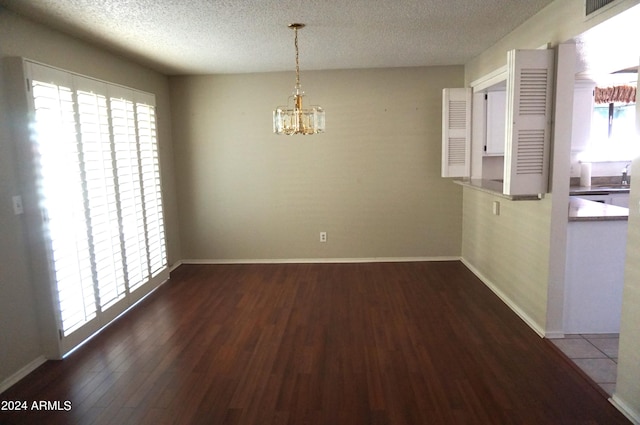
(613, 131)
(98, 183)
(615, 121)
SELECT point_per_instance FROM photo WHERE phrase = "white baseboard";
(508, 301)
(628, 411)
(318, 260)
(554, 335)
(175, 265)
(13, 379)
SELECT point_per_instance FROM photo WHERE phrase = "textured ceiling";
(237, 36)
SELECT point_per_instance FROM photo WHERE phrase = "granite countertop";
(585, 210)
(598, 189)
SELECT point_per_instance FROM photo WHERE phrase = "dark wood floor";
(382, 343)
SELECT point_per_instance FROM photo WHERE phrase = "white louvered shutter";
(101, 190)
(127, 169)
(456, 132)
(65, 217)
(98, 175)
(528, 127)
(151, 191)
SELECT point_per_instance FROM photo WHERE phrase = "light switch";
(496, 208)
(17, 205)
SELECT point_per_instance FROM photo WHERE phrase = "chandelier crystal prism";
(295, 118)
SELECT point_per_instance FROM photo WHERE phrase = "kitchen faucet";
(625, 174)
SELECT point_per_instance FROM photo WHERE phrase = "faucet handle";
(625, 176)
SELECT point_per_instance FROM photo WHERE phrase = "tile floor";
(595, 354)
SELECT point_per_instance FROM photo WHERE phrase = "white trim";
(560, 176)
(146, 95)
(491, 79)
(628, 411)
(478, 133)
(512, 305)
(30, 367)
(175, 265)
(554, 335)
(598, 11)
(317, 260)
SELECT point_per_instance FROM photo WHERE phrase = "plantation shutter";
(65, 217)
(101, 191)
(150, 173)
(99, 184)
(528, 129)
(456, 132)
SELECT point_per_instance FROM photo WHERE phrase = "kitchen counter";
(594, 272)
(598, 190)
(584, 210)
(494, 187)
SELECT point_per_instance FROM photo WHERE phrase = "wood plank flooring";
(376, 343)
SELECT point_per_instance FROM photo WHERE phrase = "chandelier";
(294, 118)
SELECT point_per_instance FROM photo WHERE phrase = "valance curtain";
(621, 94)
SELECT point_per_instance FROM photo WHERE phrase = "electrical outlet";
(323, 236)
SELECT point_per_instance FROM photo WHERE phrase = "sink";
(610, 186)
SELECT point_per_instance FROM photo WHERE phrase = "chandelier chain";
(295, 29)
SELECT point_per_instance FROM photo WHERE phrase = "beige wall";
(20, 342)
(371, 181)
(560, 21)
(628, 385)
(510, 250)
